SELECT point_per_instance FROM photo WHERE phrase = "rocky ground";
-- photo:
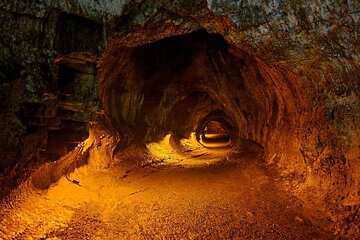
(194, 194)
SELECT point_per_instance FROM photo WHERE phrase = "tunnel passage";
(215, 127)
(174, 84)
(215, 134)
(289, 82)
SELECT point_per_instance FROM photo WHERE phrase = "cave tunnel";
(186, 120)
(178, 84)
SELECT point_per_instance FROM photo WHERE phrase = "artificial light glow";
(187, 151)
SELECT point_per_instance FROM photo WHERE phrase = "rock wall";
(48, 78)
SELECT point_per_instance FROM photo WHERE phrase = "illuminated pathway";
(215, 141)
(184, 192)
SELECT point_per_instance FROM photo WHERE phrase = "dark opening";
(216, 133)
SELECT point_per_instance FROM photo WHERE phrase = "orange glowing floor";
(188, 194)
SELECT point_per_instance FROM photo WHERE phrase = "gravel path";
(233, 199)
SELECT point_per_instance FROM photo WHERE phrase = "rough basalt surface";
(284, 74)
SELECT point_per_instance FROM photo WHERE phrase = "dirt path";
(233, 199)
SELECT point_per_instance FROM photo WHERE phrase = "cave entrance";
(215, 134)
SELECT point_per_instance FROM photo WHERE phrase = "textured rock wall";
(41, 95)
(318, 42)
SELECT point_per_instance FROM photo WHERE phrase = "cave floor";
(232, 199)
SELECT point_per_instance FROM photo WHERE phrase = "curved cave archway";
(216, 127)
(217, 133)
(173, 84)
